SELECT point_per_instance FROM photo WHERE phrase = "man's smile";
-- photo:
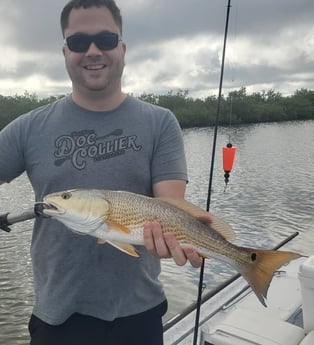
(94, 67)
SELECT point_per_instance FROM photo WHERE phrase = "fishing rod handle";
(16, 217)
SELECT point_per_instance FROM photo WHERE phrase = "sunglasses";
(80, 43)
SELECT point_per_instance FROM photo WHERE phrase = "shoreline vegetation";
(238, 107)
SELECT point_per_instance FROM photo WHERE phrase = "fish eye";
(66, 196)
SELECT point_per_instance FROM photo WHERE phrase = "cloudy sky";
(171, 45)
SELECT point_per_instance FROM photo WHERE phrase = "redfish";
(118, 218)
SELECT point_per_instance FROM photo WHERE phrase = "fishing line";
(201, 278)
(228, 151)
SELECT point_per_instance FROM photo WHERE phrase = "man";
(97, 138)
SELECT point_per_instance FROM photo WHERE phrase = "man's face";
(94, 69)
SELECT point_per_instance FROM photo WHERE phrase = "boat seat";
(245, 327)
(309, 339)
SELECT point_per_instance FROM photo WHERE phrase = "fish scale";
(172, 219)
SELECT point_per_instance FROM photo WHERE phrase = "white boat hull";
(242, 320)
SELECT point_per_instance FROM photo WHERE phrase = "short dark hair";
(110, 4)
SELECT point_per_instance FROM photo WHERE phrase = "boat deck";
(284, 309)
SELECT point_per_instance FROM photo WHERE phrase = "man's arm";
(166, 246)
(170, 189)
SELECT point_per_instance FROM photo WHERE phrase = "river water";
(270, 195)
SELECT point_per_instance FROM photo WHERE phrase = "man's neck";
(95, 101)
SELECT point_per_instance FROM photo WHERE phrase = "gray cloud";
(171, 44)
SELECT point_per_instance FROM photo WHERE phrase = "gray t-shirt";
(62, 146)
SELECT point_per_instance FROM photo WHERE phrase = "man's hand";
(166, 246)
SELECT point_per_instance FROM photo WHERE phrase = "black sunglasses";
(80, 43)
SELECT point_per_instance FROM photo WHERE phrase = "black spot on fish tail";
(253, 257)
(259, 271)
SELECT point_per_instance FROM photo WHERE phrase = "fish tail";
(260, 270)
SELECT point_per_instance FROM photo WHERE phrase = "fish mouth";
(45, 208)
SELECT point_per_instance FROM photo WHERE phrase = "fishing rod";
(218, 110)
(201, 278)
(8, 219)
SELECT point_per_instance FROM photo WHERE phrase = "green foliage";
(237, 108)
(13, 106)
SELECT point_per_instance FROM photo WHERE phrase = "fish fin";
(204, 217)
(259, 272)
(203, 256)
(125, 248)
(117, 227)
(185, 245)
(223, 228)
(188, 207)
(100, 241)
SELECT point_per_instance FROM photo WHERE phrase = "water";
(270, 195)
